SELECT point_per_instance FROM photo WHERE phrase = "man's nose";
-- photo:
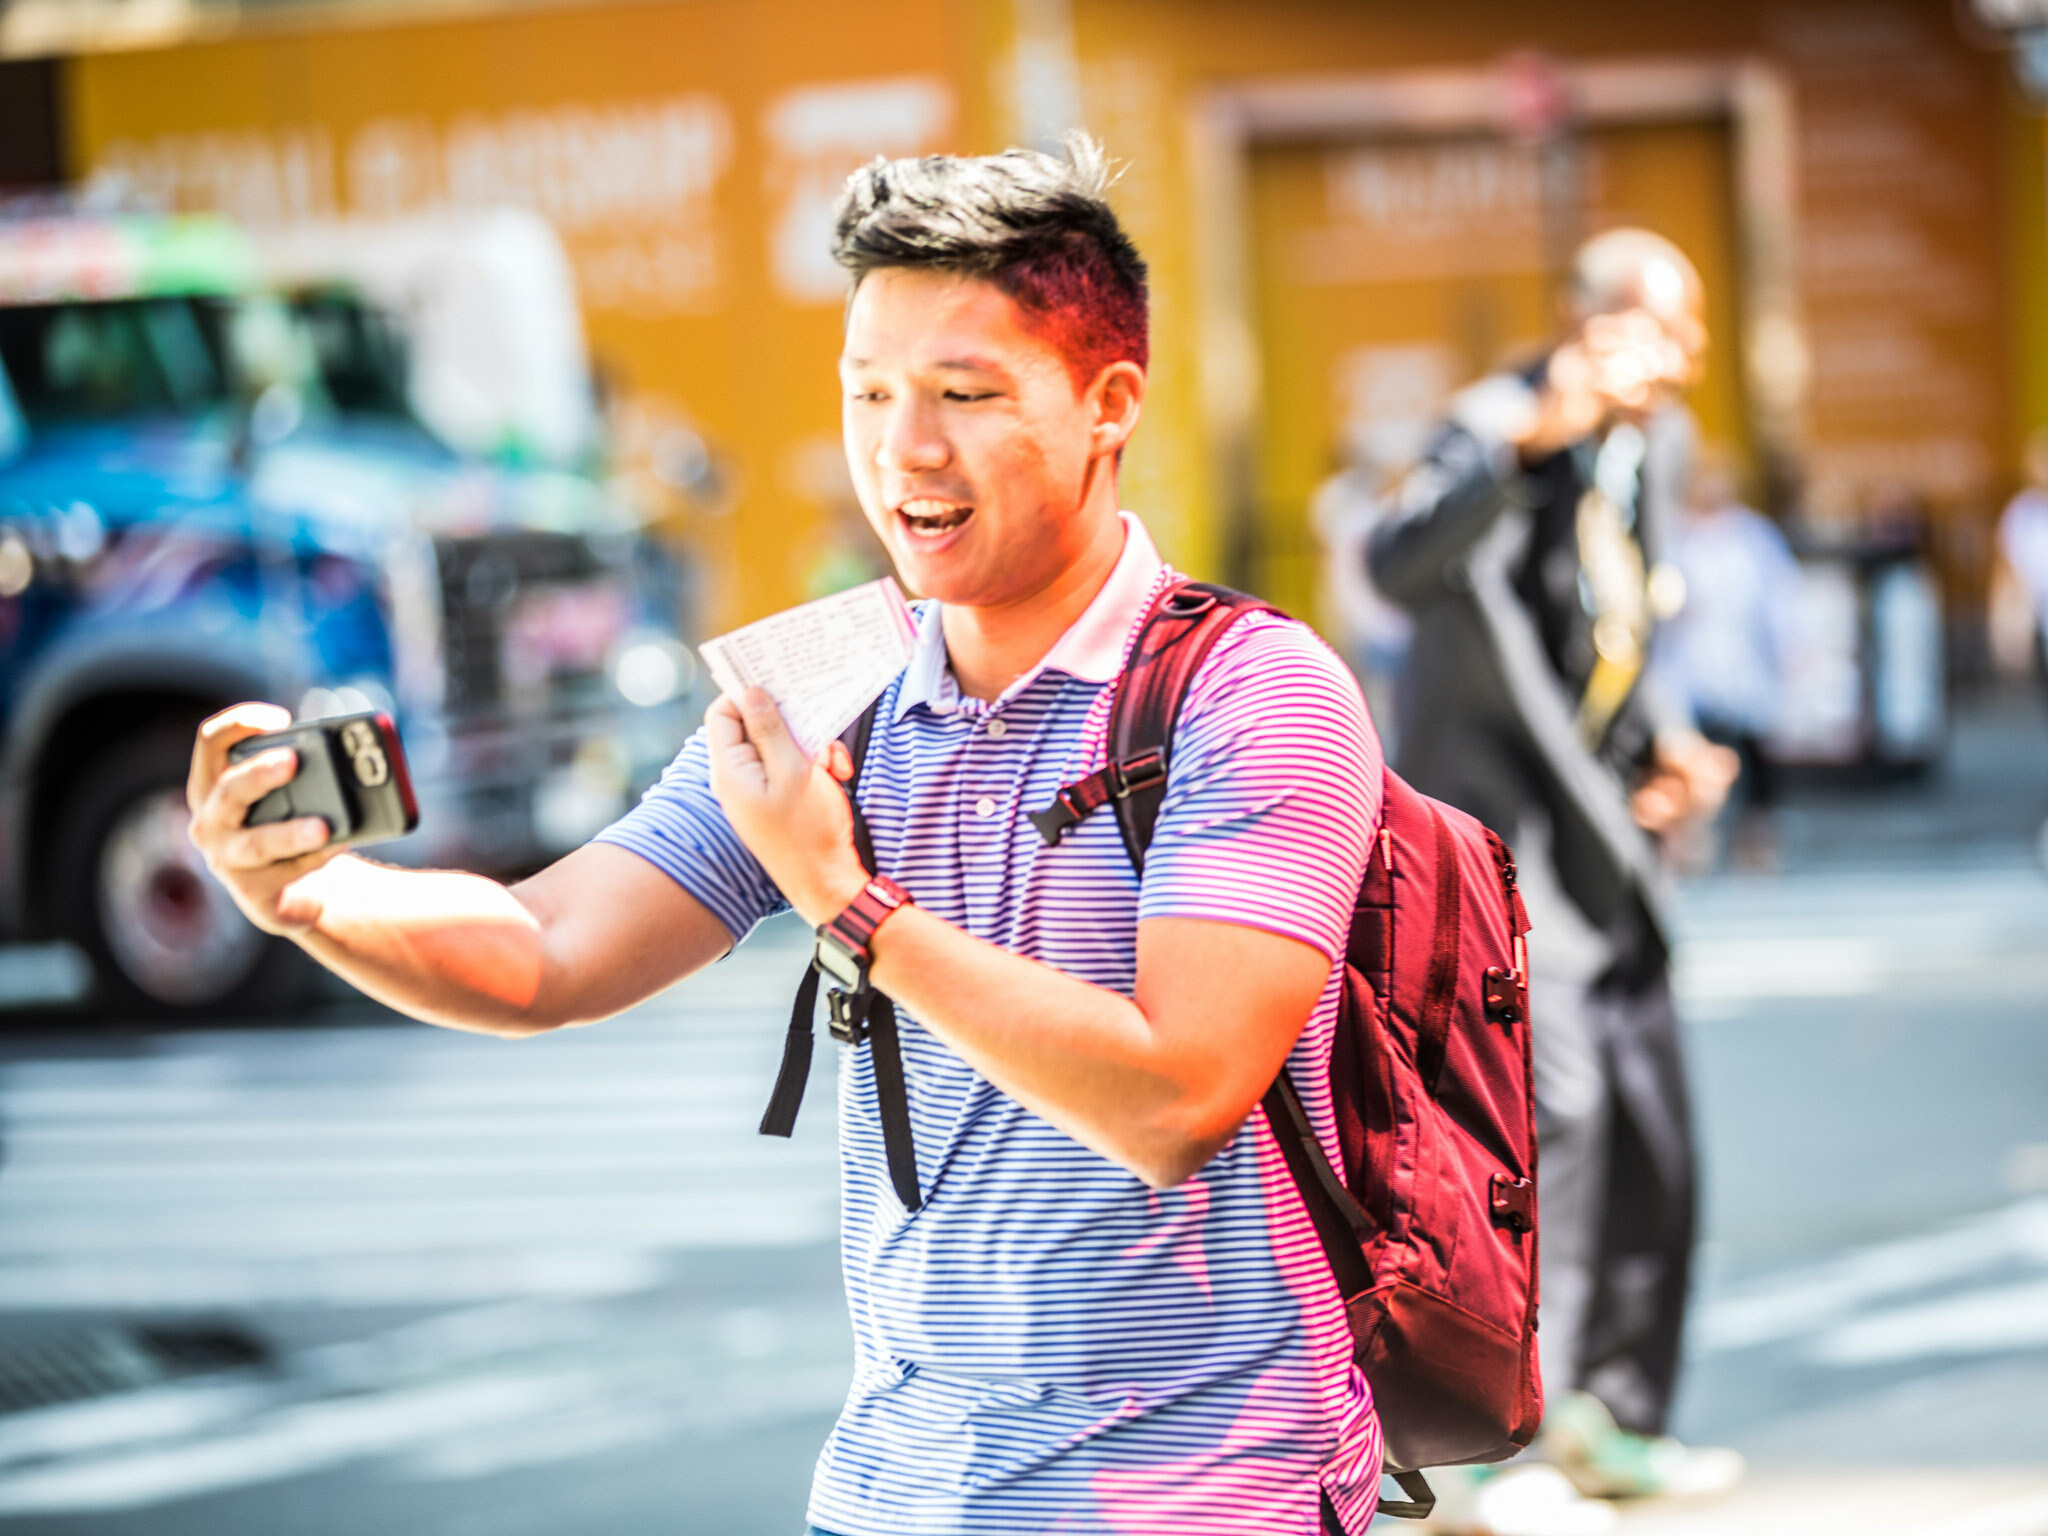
(912, 439)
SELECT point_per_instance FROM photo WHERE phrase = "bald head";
(1633, 269)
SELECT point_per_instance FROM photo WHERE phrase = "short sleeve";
(680, 829)
(1273, 800)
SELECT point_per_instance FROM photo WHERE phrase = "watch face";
(837, 965)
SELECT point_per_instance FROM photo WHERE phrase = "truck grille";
(528, 623)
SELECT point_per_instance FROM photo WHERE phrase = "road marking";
(1803, 1301)
(1986, 1320)
(291, 1442)
(384, 1165)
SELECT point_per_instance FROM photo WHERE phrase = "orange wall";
(1907, 278)
(1904, 277)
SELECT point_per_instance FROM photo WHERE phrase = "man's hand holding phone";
(273, 802)
(259, 865)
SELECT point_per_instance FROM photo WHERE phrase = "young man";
(1109, 1312)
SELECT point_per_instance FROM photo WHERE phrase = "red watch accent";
(856, 925)
(842, 954)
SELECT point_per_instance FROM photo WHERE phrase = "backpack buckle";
(848, 1015)
(1506, 1002)
(1141, 772)
(1513, 1202)
(1056, 819)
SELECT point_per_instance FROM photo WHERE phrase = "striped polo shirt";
(1048, 1345)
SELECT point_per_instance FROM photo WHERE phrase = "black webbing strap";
(1440, 992)
(892, 1097)
(1340, 1221)
(780, 1117)
(1420, 1503)
(1112, 782)
(885, 1043)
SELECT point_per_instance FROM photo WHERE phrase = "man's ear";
(1118, 398)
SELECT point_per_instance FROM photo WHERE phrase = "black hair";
(1037, 226)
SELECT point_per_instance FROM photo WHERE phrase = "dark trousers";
(1640, 1268)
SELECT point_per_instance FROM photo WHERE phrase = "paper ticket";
(824, 662)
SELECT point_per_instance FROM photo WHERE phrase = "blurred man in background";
(1373, 634)
(2023, 542)
(1527, 544)
(1724, 652)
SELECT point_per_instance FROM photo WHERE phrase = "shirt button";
(997, 728)
(985, 806)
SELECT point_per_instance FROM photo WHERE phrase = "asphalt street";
(348, 1275)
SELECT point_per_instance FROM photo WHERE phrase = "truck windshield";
(360, 353)
(189, 356)
(84, 362)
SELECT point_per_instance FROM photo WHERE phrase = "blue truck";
(210, 492)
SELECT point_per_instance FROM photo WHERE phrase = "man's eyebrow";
(946, 364)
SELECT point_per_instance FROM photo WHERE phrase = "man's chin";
(950, 576)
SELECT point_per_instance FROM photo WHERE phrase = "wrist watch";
(843, 957)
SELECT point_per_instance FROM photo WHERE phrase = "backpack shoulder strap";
(1174, 638)
(877, 1026)
(788, 1097)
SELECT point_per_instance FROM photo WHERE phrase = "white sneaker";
(1605, 1461)
(1528, 1499)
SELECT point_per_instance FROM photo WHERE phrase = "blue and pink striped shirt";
(1048, 1345)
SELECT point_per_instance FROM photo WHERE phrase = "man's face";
(970, 445)
(1640, 357)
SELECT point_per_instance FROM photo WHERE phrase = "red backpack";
(1430, 1225)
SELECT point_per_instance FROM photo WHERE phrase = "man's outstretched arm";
(585, 938)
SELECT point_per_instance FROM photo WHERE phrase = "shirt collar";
(1091, 650)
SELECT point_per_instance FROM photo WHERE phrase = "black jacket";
(1485, 555)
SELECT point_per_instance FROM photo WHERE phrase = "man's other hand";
(1618, 365)
(260, 866)
(789, 811)
(1687, 780)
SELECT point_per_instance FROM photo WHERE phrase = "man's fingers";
(770, 734)
(722, 721)
(838, 761)
(261, 847)
(241, 785)
(219, 732)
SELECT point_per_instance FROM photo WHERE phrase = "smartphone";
(351, 775)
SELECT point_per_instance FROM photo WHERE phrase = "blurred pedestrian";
(1373, 633)
(1724, 653)
(1527, 545)
(2023, 543)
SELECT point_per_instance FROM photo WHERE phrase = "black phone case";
(352, 775)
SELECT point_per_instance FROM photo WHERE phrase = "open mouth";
(928, 516)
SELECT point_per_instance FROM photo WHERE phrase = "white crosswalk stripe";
(395, 1164)
(1843, 934)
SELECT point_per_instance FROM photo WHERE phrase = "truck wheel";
(163, 935)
